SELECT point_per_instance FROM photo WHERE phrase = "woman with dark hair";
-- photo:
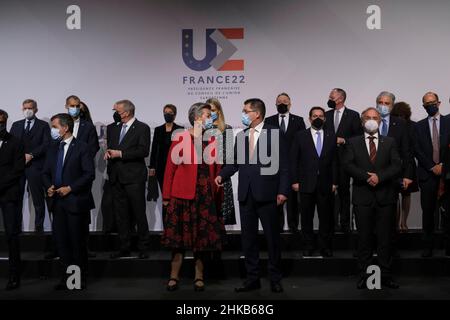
(192, 220)
(403, 110)
(217, 115)
(162, 139)
(84, 112)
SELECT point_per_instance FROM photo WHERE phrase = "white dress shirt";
(430, 121)
(31, 123)
(76, 126)
(314, 136)
(257, 132)
(366, 136)
(66, 146)
(286, 119)
(340, 113)
(129, 124)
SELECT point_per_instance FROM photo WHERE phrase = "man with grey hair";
(345, 123)
(372, 160)
(128, 146)
(397, 128)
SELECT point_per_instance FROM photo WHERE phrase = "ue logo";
(214, 38)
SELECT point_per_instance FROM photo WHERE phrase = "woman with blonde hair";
(218, 117)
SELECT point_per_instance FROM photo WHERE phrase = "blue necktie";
(59, 165)
(319, 144)
(384, 130)
(122, 132)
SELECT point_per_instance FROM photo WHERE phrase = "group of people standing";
(381, 151)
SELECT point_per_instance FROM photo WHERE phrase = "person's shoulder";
(271, 119)
(140, 124)
(355, 139)
(296, 117)
(269, 126)
(18, 123)
(398, 120)
(11, 139)
(422, 122)
(352, 113)
(41, 122)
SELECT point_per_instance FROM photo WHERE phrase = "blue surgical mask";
(214, 116)
(74, 112)
(55, 134)
(246, 119)
(208, 124)
(383, 110)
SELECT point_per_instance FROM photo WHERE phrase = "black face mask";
(116, 117)
(169, 118)
(317, 123)
(2, 130)
(331, 104)
(282, 108)
(431, 109)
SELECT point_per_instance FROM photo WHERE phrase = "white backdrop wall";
(133, 49)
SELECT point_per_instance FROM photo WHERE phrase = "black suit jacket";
(12, 167)
(158, 157)
(349, 126)
(88, 134)
(398, 129)
(387, 166)
(36, 142)
(310, 170)
(423, 147)
(263, 187)
(295, 124)
(135, 148)
(78, 173)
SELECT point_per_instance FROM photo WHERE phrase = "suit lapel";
(427, 133)
(312, 145)
(69, 152)
(81, 129)
(380, 149)
(343, 117)
(129, 133)
(363, 147)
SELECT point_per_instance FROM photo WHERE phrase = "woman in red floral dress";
(193, 220)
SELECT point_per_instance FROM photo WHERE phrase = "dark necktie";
(435, 142)
(28, 127)
(373, 150)
(59, 165)
(283, 124)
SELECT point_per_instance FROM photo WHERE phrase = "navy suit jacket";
(78, 173)
(262, 187)
(88, 134)
(294, 125)
(423, 147)
(310, 170)
(37, 143)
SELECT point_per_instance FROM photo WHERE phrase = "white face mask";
(28, 114)
(371, 126)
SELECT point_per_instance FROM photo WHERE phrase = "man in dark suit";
(396, 128)
(128, 146)
(430, 146)
(12, 169)
(314, 175)
(68, 175)
(83, 130)
(372, 160)
(289, 124)
(261, 160)
(345, 123)
(35, 137)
